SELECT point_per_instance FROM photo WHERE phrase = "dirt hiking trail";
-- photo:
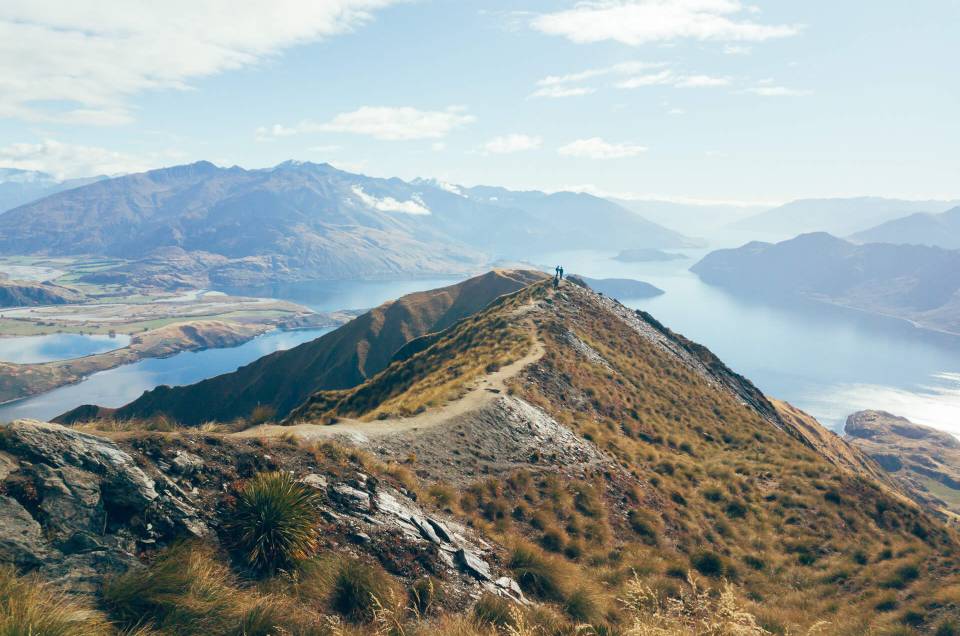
(480, 393)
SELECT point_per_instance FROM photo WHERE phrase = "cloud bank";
(81, 62)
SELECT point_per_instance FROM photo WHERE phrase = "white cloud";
(636, 22)
(66, 161)
(380, 122)
(325, 149)
(570, 85)
(597, 148)
(563, 91)
(623, 68)
(701, 81)
(777, 91)
(506, 144)
(670, 78)
(81, 62)
(737, 49)
(414, 206)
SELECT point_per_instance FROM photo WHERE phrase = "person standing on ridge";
(560, 267)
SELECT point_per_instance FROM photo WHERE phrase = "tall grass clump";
(349, 587)
(540, 575)
(185, 589)
(29, 607)
(273, 525)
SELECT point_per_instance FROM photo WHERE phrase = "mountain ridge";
(922, 228)
(301, 220)
(338, 360)
(916, 283)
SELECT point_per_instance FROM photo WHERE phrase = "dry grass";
(29, 607)
(472, 347)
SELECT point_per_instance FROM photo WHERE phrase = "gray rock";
(21, 538)
(8, 464)
(315, 481)
(359, 537)
(442, 531)
(70, 502)
(353, 499)
(389, 504)
(84, 572)
(473, 564)
(426, 529)
(187, 463)
(123, 483)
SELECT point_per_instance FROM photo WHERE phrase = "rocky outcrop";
(76, 507)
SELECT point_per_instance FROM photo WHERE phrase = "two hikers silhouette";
(557, 276)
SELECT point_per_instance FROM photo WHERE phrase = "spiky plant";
(274, 522)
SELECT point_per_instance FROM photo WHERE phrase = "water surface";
(58, 346)
(119, 386)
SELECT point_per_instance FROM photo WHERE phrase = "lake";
(118, 386)
(58, 346)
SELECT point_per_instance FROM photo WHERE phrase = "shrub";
(583, 605)
(358, 589)
(901, 577)
(494, 610)
(538, 574)
(274, 522)
(645, 525)
(29, 607)
(185, 591)
(425, 594)
(261, 414)
(707, 563)
(736, 510)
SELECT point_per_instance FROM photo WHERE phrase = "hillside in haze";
(694, 219)
(917, 283)
(840, 217)
(938, 230)
(309, 221)
(923, 460)
(338, 360)
(553, 460)
(18, 187)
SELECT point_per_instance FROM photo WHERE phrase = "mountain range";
(837, 216)
(917, 283)
(922, 228)
(18, 187)
(311, 221)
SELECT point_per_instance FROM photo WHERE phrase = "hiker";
(560, 267)
(556, 272)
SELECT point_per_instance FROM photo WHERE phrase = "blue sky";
(712, 100)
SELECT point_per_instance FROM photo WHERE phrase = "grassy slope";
(707, 480)
(338, 360)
